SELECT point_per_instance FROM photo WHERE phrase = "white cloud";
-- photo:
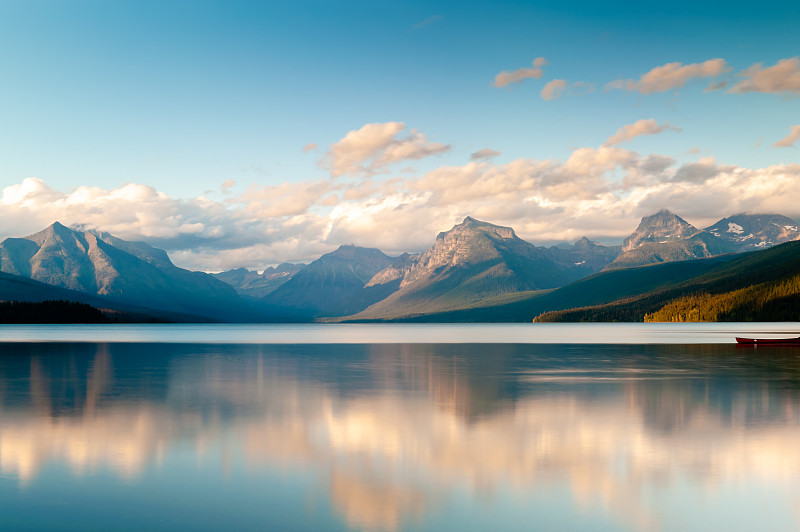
(671, 76)
(374, 146)
(597, 191)
(553, 89)
(507, 77)
(309, 147)
(641, 127)
(789, 140)
(784, 76)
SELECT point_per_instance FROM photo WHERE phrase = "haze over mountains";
(468, 271)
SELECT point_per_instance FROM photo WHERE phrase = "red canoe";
(768, 341)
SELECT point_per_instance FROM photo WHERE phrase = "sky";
(245, 134)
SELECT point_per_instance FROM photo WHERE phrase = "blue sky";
(182, 97)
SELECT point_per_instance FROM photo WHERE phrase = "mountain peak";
(56, 228)
(663, 226)
(755, 231)
(472, 226)
(351, 251)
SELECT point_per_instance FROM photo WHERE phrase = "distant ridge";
(256, 285)
(332, 285)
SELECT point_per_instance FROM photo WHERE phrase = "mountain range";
(666, 237)
(128, 276)
(476, 271)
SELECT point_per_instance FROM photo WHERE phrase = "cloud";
(553, 89)
(698, 172)
(600, 192)
(789, 140)
(262, 223)
(641, 127)
(309, 147)
(784, 76)
(560, 87)
(505, 78)
(374, 146)
(671, 76)
(485, 153)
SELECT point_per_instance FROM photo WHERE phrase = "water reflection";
(395, 435)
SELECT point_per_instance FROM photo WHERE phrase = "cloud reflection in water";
(393, 432)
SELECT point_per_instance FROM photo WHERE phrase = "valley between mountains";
(744, 267)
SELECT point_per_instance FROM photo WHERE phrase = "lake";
(328, 427)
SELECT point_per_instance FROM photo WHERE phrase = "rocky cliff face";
(661, 227)
(473, 261)
(470, 242)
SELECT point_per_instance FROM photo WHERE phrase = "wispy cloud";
(671, 76)
(789, 140)
(641, 127)
(507, 77)
(784, 76)
(553, 89)
(485, 153)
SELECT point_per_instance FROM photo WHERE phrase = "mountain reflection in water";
(393, 437)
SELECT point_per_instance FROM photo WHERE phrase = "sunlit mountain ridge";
(470, 270)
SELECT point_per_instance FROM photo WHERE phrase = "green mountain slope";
(761, 285)
(604, 287)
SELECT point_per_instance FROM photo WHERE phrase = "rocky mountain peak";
(756, 231)
(661, 227)
(472, 226)
(350, 251)
(132, 273)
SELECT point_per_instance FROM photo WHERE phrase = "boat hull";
(768, 341)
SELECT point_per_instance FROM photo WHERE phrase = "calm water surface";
(398, 436)
(539, 333)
